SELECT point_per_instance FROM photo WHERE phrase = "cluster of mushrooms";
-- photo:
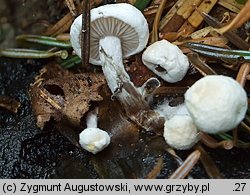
(213, 104)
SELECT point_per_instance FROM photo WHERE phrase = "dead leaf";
(68, 96)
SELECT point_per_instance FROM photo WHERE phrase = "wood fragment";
(195, 19)
(187, 8)
(164, 21)
(185, 168)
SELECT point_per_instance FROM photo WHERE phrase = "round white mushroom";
(180, 132)
(92, 138)
(166, 60)
(216, 103)
(117, 31)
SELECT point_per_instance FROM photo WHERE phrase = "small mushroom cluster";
(213, 104)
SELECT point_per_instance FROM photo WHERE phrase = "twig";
(85, 43)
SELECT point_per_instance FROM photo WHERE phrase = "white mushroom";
(166, 60)
(92, 138)
(117, 31)
(180, 132)
(216, 103)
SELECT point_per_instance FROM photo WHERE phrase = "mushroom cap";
(180, 132)
(166, 60)
(121, 20)
(216, 103)
(94, 140)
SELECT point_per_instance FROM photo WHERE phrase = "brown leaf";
(68, 96)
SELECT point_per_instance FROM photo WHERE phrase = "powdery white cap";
(121, 20)
(216, 103)
(180, 132)
(166, 60)
(94, 140)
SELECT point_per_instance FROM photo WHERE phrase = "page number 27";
(239, 187)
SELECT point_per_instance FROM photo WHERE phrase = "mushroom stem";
(111, 45)
(91, 119)
(120, 85)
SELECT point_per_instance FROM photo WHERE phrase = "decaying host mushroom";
(92, 138)
(117, 31)
(216, 103)
(166, 60)
(180, 132)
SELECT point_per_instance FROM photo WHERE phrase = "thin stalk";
(85, 47)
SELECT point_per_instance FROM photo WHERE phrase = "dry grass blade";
(72, 8)
(61, 26)
(156, 170)
(154, 34)
(212, 143)
(242, 74)
(201, 66)
(209, 165)
(187, 165)
(242, 17)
